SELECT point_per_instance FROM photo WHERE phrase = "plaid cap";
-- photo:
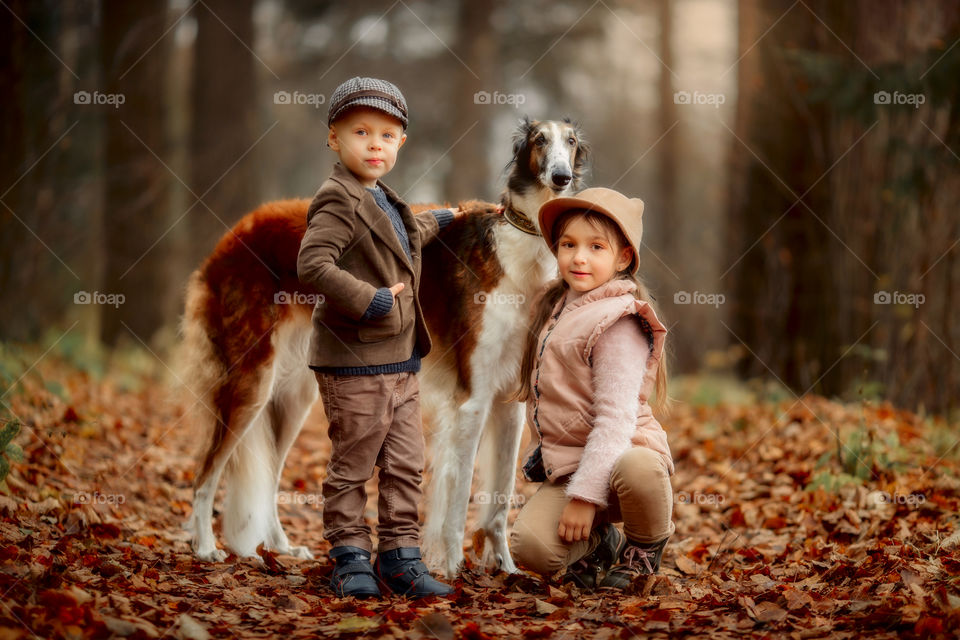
(368, 92)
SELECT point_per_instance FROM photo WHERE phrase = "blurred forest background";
(799, 160)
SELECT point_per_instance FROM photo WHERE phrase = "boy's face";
(367, 141)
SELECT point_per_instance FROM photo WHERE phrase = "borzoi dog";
(246, 330)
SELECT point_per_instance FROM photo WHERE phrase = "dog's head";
(548, 154)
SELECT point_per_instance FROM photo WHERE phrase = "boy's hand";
(457, 212)
(576, 521)
(395, 289)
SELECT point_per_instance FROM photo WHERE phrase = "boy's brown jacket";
(349, 250)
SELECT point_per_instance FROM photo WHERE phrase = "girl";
(593, 358)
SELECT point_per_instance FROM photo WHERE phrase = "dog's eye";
(540, 141)
(571, 141)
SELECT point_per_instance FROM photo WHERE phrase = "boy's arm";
(330, 223)
(430, 223)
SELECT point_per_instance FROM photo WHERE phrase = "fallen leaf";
(191, 629)
(545, 608)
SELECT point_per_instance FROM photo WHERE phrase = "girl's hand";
(457, 212)
(576, 521)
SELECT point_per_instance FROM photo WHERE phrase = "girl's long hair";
(557, 290)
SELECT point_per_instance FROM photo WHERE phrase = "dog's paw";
(506, 564)
(303, 553)
(211, 555)
(452, 569)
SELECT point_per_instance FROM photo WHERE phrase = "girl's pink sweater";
(616, 389)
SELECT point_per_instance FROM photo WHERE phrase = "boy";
(362, 251)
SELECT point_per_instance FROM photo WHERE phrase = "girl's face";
(367, 141)
(587, 258)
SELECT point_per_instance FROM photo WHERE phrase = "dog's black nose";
(561, 179)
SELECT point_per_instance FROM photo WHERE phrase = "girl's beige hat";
(626, 212)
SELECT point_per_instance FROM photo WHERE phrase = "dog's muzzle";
(560, 180)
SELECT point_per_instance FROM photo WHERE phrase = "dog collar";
(519, 220)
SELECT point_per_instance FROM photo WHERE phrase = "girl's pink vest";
(562, 399)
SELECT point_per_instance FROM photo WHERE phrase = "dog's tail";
(202, 370)
(226, 418)
(200, 374)
(250, 500)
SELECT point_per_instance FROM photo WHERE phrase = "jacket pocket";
(388, 326)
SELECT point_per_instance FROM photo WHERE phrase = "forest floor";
(796, 517)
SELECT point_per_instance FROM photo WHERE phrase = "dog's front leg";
(499, 472)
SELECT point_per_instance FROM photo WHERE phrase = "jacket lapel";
(376, 218)
(406, 215)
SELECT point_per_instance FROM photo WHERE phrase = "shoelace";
(634, 553)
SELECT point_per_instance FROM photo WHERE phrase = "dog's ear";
(521, 136)
(582, 157)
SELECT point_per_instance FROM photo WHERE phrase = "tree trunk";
(134, 53)
(35, 133)
(470, 120)
(223, 170)
(841, 201)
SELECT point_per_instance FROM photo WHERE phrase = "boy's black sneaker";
(352, 574)
(636, 559)
(585, 572)
(404, 573)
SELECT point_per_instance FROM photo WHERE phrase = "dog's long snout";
(561, 178)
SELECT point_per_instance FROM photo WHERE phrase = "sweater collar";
(345, 177)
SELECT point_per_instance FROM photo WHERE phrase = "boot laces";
(634, 553)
